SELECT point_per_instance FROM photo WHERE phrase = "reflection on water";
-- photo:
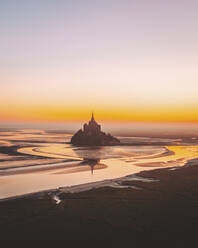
(92, 163)
(35, 160)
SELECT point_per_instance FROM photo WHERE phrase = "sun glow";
(116, 114)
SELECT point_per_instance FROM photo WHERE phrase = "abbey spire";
(92, 117)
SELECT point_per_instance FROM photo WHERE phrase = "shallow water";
(42, 160)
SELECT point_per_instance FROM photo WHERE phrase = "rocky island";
(91, 135)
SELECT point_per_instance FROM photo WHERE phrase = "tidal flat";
(38, 160)
(145, 191)
(146, 211)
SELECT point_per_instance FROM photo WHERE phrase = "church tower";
(92, 117)
(92, 126)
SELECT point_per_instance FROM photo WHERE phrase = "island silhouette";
(91, 135)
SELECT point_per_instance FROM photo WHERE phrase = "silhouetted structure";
(91, 135)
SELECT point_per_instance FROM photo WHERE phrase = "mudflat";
(162, 209)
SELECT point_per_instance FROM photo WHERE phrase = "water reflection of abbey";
(91, 157)
(91, 163)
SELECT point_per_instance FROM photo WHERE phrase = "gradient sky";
(127, 60)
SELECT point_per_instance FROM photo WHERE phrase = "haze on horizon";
(126, 60)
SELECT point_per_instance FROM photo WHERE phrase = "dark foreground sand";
(161, 212)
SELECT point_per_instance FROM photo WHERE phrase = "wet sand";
(36, 174)
(161, 208)
(154, 206)
(33, 160)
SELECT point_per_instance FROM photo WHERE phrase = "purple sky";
(127, 53)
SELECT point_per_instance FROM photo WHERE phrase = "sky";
(126, 60)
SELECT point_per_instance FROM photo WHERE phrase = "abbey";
(92, 126)
(91, 135)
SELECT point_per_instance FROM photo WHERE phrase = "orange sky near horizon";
(46, 113)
